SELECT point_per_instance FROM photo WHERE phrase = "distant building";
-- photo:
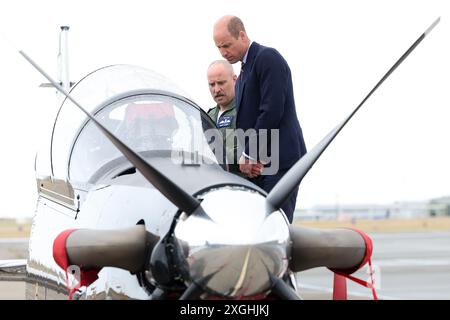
(439, 206)
(368, 211)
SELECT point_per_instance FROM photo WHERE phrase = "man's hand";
(250, 168)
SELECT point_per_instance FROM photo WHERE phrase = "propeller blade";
(168, 188)
(193, 292)
(282, 190)
(343, 249)
(127, 249)
(282, 290)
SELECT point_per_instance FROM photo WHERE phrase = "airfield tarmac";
(408, 266)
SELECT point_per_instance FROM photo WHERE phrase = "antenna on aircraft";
(63, 63)
(63, 59)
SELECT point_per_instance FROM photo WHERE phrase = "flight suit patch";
(225, 121)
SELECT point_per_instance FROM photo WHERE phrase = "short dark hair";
(235, 26)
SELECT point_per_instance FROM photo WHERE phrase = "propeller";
(282, 190)
(126, 248)
(343, 249)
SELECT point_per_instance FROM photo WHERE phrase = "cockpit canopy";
(148, 123)
(142, 108)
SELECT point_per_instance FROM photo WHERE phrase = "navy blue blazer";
(265, 100)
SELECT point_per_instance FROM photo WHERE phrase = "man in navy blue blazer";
(264, 101)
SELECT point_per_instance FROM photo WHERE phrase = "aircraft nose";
(237, 247)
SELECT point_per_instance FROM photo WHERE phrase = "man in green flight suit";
(221, 81)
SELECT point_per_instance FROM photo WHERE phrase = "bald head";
(222, 64)
(233, 24)
(221, 81)
(231, 38)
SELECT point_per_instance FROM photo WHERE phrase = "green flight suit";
(226, 122)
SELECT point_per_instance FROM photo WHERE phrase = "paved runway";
(409, 266)
(13, 248)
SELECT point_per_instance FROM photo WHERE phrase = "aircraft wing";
(13, 270)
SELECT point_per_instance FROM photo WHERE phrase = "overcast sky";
(395, 149)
